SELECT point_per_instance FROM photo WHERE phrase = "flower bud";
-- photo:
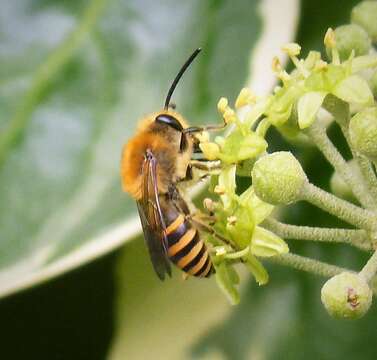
(365, 15)
(348, 38)
(363, 132)
(346, 296)
(278, 178)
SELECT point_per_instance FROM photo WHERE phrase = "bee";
(153, 162)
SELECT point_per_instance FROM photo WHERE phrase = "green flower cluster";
(244, 230)
(238, 219)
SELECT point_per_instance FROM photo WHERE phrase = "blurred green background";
(74, 78)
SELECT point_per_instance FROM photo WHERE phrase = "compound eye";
(169, 120)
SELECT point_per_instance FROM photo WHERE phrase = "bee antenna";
(179, 75)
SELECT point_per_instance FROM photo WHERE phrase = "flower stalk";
(357, 238)
(370, 268)
(319, 137)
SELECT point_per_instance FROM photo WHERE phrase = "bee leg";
(194, 219)
(197, 149)
(189, 175)
(206, 165)
(177, 199)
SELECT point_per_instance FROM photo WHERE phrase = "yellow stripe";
(175, 224)
(191, 255)
(199, 265)
(183, 241)
(206, 271)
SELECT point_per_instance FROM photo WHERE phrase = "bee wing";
(151, 218)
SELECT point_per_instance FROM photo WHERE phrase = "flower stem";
(368, 173)
(365, 166)
(319, 137)
(370, 268)
(305, 264)
(315, 266)
(357, 238)
(342, 209)
(44, 75)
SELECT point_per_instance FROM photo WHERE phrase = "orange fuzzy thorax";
(171, 165)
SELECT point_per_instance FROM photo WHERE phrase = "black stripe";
(211, 271)
(178, 233)
(202, 269)
(184, 251)
(195, 260)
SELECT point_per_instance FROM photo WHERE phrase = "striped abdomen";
(186, 249)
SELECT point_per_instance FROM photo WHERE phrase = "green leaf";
(354, 89)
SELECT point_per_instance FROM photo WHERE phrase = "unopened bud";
(365, 15)
(278, 178)
(351, 38)
(363, 132)
(346, 296)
